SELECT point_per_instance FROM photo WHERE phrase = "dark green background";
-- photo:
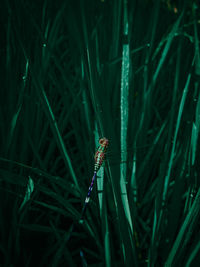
(61, 80)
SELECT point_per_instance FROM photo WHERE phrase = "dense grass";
(74, 71)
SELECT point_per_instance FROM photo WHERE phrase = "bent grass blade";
(29, 191)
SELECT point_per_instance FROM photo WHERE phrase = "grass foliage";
(74, 71)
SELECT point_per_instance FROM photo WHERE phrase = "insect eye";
(101, 141)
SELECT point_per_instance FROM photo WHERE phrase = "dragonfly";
(99, 160)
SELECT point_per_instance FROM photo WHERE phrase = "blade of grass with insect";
(100, 178)
(93, 80)
(103, 214)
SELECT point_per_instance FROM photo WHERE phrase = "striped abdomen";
(100, 154)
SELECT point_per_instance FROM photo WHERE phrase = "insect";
(100, 153)
(99, 159)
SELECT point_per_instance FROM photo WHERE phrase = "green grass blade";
(29, 191)
(181, 107)
(167, 47)
(124, 116)
(100, 177)
(191, 217)
(54, 127)
(193, 254)
(15, 117)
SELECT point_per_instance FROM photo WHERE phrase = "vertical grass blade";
(181, 107)
(91, 72)
(193, 255)
(107, 248)
(19, 105)
(196, 124)
(29, 191)
(124, 114)
(124, 109)
(167, 47)
(100, 176)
